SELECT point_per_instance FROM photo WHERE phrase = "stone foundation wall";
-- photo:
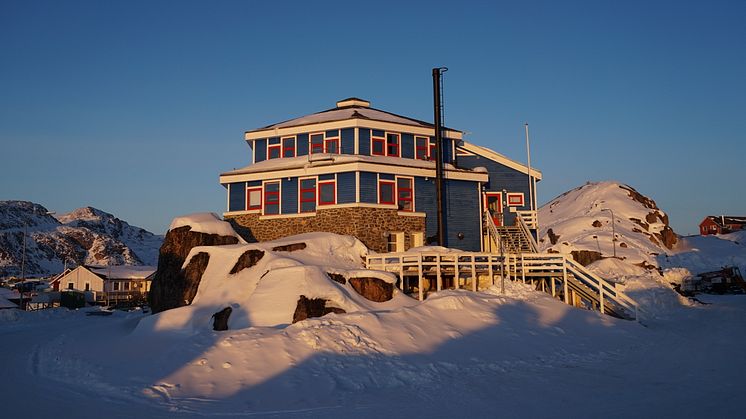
(367, 224)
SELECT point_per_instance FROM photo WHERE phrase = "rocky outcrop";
(220, 319)
(312, 307)
(586, 257)
(553, 238)
(173, 287)
(373, 289)
(338, 278)
(289, 247)
(248, 259)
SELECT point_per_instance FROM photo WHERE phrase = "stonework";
(367, 224)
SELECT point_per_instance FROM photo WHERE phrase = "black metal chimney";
(437, 106)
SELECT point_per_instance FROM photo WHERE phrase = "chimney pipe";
(439, 155)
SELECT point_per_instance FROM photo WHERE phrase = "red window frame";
(373, 141)
(422, 152)
(399, 190)
(321, 183)
(248, 195)
(286, 147)
(393, 191)
(272, 197)
(302, 200)
(315, 148)
(431, 150)
(271, 147)
(392, 145)
(511, 197)
(331, 140)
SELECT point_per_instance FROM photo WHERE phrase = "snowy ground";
(459, 353)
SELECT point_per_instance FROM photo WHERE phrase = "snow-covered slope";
(581, 219)
(84, 236)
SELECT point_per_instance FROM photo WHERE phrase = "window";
(422, 148)
(515, 199)
(126, 286)
(378, 146)
(253, 198)
(317, 143)
(115, 286)
(272, 198)
(331, 145)
(288, 147)
(395, 242)
(327, 192)
(274, 151)
(386, 191)
(307, 195)
(404, 194)
(392, 145)
(87, 286)
(70, 286)
(418, 239)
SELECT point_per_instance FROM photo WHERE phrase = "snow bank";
(205, 222)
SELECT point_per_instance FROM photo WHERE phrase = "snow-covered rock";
(84, 236)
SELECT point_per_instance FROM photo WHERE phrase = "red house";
(721, 224)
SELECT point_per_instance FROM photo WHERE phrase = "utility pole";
(23, 268)
(530, 178)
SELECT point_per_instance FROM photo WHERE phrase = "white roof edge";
(347, 123)
(497, 157)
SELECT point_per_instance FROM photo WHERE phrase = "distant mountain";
(84, 236)
(581, 220)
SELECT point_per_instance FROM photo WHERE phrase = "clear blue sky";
(136, 107)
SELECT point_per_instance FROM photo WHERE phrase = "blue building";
(371, 174)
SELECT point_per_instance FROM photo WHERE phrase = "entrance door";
(493, 202)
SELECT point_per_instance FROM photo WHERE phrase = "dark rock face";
(312, 307)
(337, 278)
(220, 319)
(172, 287)
(553, 238)
(668, 237)
(596, 224)
(373, 289)
(586, 257)
(289, 247)
(247, 260)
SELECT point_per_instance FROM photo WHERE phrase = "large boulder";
(312, 307)
(175, 287)
(248, 259)
(374, 289)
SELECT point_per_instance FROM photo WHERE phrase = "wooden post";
(456, 273)
(601, 298)
(419, 274)
(439, 284)
(474, 286)
(564, 280)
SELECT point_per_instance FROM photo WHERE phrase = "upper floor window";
(253, 198)
(515, 199)
(317, 143)
(274, 151)
(307, 195)
(404, 194)
(392, 145)
(327, 192)
(422, 148)
(386, 192)
(377, 146)
(288, 147)
(331, 145)
(272, 198)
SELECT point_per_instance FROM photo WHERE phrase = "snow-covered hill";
(84, 236)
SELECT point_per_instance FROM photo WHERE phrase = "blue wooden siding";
(363, 141)
(348, 141)
(346, 187)
(386, 176)
(237, 196)
(289, 199)
(368, 187)
(301, 144)
(260, 150)
(407, 146)
(462, 215)
(424, 201)
(254, 183)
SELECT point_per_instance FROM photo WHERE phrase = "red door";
(493, 202)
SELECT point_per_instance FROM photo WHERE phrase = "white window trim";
(318, 192)
(396, 188)
(295, 145)
(264, 193)
(315, 193)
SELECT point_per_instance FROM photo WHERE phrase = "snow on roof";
(123, 272)
(205, 222)
(347, 112)
(316, 160)
(729, 219)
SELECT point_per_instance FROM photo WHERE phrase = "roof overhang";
(499, 158)
(349, 123)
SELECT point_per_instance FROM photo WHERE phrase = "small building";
(107, 284)
(369, 173)
(721, 224)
